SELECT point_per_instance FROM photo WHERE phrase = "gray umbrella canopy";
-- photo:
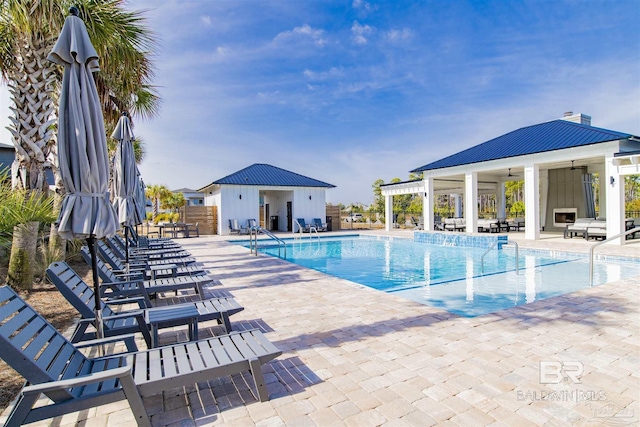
(82, 143)
(141, 199)
(125, 175)
(82, 147)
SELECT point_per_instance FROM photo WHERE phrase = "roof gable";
(267, 175)
(549, 136)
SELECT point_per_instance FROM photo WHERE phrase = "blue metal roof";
(267, 175)
(549, 136)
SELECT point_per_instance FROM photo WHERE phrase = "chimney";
(583, 119)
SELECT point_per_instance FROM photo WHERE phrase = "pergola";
(531, 154)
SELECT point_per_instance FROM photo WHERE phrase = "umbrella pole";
(91, 242)
(126, 245)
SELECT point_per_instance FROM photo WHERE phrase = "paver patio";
(355, 356)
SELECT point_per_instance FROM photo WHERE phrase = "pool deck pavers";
(354, 356)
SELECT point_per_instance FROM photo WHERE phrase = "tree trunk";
(23, 256)
(155, 210)
(57, 244)
(32, 85)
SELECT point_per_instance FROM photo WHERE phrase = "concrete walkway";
(358, 357)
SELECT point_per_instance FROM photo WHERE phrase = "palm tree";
(28, 31)
(21, 208)
(157, 193)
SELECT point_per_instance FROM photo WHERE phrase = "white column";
(388, 212)
(501, 209)
(457, 208)
(603, 180)
(471, 201)
(614, 183)
(532, 202)
(544, 196)
(427, 204)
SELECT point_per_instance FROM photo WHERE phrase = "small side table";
(166, 317)
(163, 270)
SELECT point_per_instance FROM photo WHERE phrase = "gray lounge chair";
(236, 228)
(133, 283)
(317, 223)
(107, 253)
(54, 367)
(81, 297)
(142, 270)
(147, 254)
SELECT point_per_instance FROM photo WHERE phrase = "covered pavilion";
(556, 160)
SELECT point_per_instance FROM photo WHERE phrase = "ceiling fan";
(512, 175)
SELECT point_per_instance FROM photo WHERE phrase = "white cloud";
(304, 32)
(333, 72)
(398, 35)
(360, 32)
(206, 20)
(362, 6)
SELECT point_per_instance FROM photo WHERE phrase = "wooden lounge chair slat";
(19, 320)
(195, 356)
(182, 359)
(53, 346)
(229, 348)
(76, 366)
(28, 332)
(242, 345)
(59, 362)
(38, 343)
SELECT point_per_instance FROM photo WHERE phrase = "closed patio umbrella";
(141, 198)
(125, 179)
(86, 211)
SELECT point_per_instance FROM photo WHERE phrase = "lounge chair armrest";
(125, 314)
(129, 300)
(132, 274)
(127, 282)
(78, 381)
(128, 339)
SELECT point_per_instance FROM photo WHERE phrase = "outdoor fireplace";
(564, 216)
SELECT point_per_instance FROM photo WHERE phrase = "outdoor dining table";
(173, 229)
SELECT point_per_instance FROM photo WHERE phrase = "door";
(289, 223)
(267, 218)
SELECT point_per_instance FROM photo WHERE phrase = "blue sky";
(348, 92)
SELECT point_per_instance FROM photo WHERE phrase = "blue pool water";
(453, 278)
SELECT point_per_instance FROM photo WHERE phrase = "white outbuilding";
(273, 196)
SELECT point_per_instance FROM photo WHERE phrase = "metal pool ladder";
(312, 229)
(592, 248)
(253, 240)
(504, 244)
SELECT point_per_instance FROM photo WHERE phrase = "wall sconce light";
(240, 197)
(309, 197)
(612, 180)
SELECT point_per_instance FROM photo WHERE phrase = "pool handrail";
(253, 244)
(298, 234)
(493, 245)
(593, 247)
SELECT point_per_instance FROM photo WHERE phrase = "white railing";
(503, 244)
(253, 240)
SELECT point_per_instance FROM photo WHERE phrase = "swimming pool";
(456, 279)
